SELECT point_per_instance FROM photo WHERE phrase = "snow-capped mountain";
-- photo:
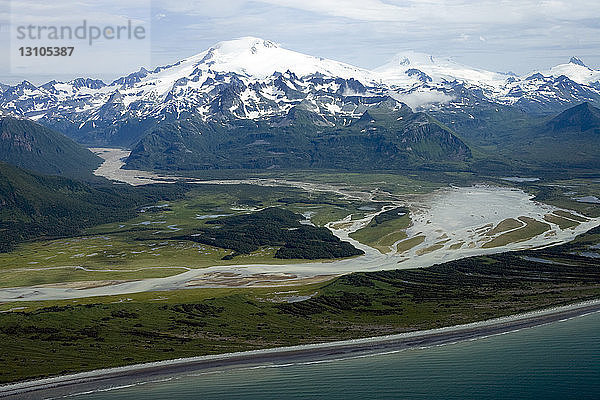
(575, 70)
(445, 81)
(427, 68)
(255, 79)
(260, 58)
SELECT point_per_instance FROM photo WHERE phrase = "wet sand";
(140, 373)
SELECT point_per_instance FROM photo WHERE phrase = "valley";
(157, 249)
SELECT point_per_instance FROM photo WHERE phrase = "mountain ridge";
(28, 145)
(259, 79)
(386, 135)
(250, 91)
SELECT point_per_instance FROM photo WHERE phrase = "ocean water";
(555, 361)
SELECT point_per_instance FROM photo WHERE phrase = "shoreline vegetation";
(103, 379)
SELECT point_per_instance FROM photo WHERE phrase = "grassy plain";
(562, 222)
(408, 244)
(505, 225)
(531, 229)
(147, 246)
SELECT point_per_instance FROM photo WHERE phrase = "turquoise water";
(556, 361)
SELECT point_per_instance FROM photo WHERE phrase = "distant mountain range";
(248, 103)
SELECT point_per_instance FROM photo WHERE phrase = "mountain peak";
(576, 70)
(260, 58)
(427, 68)
(251, 43)
(577, 61)
(412, 58)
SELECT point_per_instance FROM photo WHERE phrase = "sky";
(497, 35)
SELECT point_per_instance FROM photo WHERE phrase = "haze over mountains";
(248, 103)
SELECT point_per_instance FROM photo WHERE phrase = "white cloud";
(209, 8)
(519, 35)
(452, 12)
(364, 10)
(422, 98)
(90, 18)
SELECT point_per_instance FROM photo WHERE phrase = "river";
(453, 222)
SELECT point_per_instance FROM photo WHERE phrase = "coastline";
(152, 371)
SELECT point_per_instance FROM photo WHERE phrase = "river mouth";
(447, 224)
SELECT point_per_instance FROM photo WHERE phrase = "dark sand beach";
(139, 373)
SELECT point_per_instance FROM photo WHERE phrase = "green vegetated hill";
(583, 118)
(491, 139)
(509, 140)
(385, 137)
(568, 140)
(33, 206)
(29, 145)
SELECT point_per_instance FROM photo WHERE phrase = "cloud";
(208, 8)
(370, 32)
(451, 12)
(67, 12)
(364, 10)
(107, 57)
(422, 97)
(519, 35)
